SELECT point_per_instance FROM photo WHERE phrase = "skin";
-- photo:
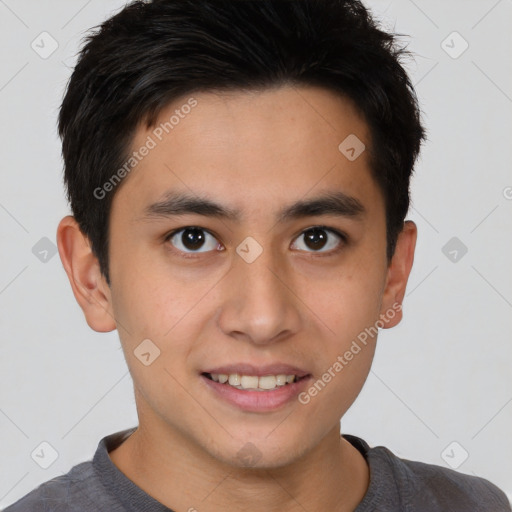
(255, 151)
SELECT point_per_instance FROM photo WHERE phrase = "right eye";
(192, 238)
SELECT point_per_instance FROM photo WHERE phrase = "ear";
(89, 286)
(398, 274)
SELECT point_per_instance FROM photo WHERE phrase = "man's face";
(208, 299)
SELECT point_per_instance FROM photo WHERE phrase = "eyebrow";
(179, 203)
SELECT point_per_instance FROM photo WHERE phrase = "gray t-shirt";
(396, 485)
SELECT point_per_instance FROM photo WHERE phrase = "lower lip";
(257, 401)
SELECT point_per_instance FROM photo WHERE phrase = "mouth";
(256, 389)
(254, 382)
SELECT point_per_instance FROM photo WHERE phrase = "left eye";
(317, 238)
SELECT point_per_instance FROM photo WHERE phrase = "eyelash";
(343, 237)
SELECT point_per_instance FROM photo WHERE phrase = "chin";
(262, 452)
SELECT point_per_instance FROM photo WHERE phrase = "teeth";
(281, 380)
(234, 379)
(267, 382)
(264, 383)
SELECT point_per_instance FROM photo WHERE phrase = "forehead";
(251, 147)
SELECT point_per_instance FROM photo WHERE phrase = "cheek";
(348, 306)
(149, 296)
(349, 300)
(349, 345)
(156, 321)
(168, 309)
(350, 310)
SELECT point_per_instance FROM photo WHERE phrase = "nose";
(258, 301)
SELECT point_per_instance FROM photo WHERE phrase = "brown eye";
(193, 239)
(317, 238)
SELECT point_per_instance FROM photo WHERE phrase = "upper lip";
(259, 371)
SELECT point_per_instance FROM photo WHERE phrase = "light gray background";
(442, 375)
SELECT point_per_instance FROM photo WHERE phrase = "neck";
(332, 476)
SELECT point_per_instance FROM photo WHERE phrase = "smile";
(253, 382)
(256, 393)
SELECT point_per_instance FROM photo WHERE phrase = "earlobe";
(82, 268)
(398, 275)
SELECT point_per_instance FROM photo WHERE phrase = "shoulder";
(435, 488)
(404, 485)
(71, 492)
(86, 487)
